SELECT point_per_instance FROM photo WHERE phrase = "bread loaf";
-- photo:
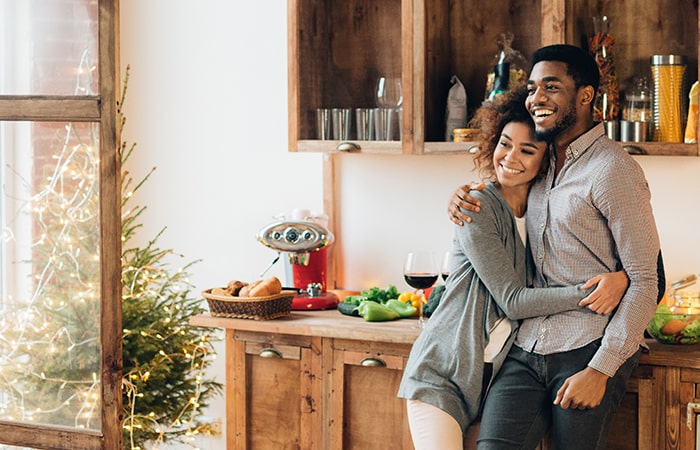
(262, 288)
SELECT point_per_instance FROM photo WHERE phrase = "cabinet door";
(668, 404)
(275, 389)
(689, 409)
(365, 412)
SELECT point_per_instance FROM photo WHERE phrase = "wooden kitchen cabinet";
(337, 49)
(273, 383)
(321, 380)
(314, 380)
(366, 413)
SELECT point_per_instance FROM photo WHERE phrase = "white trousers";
(432, 428)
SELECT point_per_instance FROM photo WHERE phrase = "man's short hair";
(580, 64)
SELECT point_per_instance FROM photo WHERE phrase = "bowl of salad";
(677, 320)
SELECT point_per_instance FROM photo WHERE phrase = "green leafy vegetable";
(379, 295)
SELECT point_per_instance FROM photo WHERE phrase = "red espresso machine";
(305, 242)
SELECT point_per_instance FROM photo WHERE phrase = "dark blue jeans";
(518, 409)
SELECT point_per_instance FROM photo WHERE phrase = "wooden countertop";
(326, 323)
(331, 323)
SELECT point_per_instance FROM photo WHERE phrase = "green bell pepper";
(403, 309)
(375, 312)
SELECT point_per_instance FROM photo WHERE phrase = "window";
(60, 306)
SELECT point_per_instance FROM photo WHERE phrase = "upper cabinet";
(339, 48)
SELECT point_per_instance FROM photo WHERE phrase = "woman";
(463, 345)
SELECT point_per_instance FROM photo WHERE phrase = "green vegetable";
(372, 311)
(379, 295)
(402, 309)
(349, 309)
(354, 299)
(433, 300)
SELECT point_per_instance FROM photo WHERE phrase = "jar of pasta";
(668, 72)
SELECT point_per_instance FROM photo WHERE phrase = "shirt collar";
(583, 142)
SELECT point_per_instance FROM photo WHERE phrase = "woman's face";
(518, 156)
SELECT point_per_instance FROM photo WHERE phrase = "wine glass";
(389, 93)
(420, 272)
(389, 98)
(445, 268)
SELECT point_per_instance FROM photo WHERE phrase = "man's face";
(551, 99)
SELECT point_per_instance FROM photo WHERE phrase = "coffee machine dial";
(295, 237)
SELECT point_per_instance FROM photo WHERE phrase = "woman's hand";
(609, 291)
(462, 199)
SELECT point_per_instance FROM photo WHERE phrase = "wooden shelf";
(338, 48)
(452, 148)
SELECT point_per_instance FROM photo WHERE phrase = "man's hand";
(462, 199)
(609, 291)
(582, 390)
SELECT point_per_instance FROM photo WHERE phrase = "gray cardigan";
(487, 280)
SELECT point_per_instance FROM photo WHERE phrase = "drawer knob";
(270, 353)
(372, 362)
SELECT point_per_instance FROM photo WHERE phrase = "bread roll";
(235, 286)
(221, 291)
(274, 286)
(246, 290)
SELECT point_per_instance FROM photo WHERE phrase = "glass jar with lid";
(638, 106)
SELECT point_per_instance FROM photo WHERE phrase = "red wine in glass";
(420, 272)
(420, 280)
(445, 269)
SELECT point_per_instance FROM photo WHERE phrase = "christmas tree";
(49, 327)
(164, 357)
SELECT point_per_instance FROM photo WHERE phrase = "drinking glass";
(420, 272)
(389, 98)
(389, 93)
(445, 268)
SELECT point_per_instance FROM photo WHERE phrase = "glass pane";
(48, 47)
(50, 273)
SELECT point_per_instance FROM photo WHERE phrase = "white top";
(499, 333)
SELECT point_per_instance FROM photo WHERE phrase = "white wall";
(207, 106)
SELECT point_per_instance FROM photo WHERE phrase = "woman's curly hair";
(490, 119)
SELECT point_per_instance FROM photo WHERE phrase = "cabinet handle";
(270, 353)
(372, 362)
(690, 414)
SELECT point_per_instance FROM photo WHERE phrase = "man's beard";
(566, 122)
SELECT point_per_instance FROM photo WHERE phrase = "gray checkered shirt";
(595, 217)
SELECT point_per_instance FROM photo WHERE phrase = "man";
(590, 214)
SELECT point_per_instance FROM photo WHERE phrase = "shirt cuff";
(606, 362)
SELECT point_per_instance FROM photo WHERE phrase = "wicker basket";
(257, 308)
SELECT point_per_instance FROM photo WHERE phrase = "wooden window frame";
(101, 109)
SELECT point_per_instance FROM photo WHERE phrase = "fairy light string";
(49, 338)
